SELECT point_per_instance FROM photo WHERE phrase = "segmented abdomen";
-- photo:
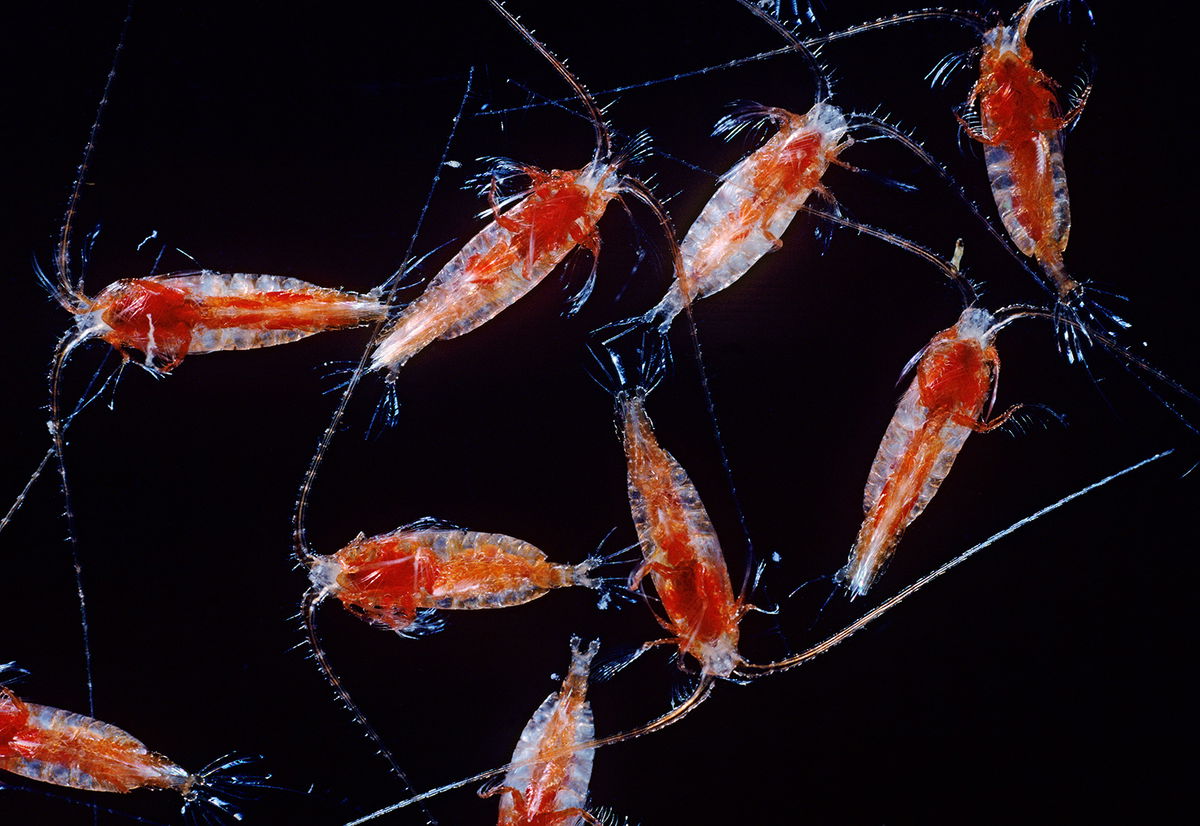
(239, 311)
(1029, 184)
(559, 783)
(913, 460)
(69, 749)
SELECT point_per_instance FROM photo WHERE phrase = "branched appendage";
(1078, 315)
(215, 785)
(1128, 361)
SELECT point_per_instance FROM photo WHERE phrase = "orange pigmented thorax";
(560, 211)
(794, 167)
(380, 577)
(148, 316)
(1016, 100)
(953, 376)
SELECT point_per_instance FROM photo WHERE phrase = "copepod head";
(323, 573)
(719, 656)
(829, 120)
(977, 323)
(147, 315)
(600, 179)
(1003, 43)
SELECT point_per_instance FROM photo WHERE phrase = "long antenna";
(308, 615)
(964, 285)
(603, 142)
(63, 257)
(969, 19)
(822, 91)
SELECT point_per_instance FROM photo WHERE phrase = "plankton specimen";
(399, 580)
(758, 198)
(1021, 128)
(67, 749)
(955, 381)
(553, 791)
(165, 317)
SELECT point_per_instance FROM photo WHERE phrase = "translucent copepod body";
(755, 203)
(680, 549)
(168, 317)
(67, 749)
(954, 382)
(1022, 136)
(392, 579)
(548, 785)
(506, 260)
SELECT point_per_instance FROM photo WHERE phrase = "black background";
(1044, 680)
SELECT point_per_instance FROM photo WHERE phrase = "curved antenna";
(969, 19)
(603, 142)
(703, 690)
(62, 260)
(1025, 16)
(972, 21)
(822, 91)
(308, 614)
(62, 351)
(300, 549)
(949, 270)
(887, 605)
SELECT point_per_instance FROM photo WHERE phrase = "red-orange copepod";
(167, 317)
(548, 785)
(955, 382)
(67, 749)
(759, 196)
(399, 580)
(1020, 127)
(520, 247)
(682, 554)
